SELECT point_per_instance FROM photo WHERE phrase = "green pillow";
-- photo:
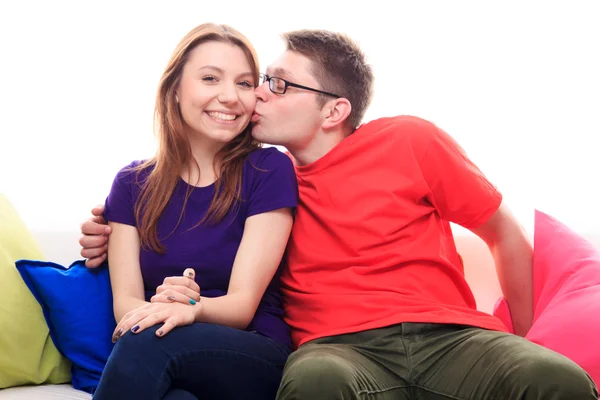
(27, 354)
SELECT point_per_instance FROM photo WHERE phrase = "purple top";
(211, 249)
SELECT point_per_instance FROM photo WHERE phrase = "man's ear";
(336, 113)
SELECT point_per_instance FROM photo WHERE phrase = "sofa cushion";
(77, 305)
(28, 355)
(566, 294)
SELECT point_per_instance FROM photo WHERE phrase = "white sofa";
(44, 392)
(63, 248)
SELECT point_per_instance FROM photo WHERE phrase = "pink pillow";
(566, 294)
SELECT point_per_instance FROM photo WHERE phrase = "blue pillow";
(77, 305)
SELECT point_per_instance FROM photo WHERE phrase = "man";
(374, 289)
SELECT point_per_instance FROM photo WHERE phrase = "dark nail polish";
(171, 298)
(160, 332)
(117, 335)
(135, 328)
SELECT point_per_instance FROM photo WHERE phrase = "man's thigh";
(450, 362)
(339, 371)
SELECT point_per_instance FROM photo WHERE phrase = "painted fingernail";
(171, 298)
(117, 335)
(135, 328)
(192, 301)
(160, 332)
(190, 274)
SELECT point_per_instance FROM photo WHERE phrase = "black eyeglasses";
(280, 85)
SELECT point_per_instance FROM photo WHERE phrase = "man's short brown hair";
(339, 65)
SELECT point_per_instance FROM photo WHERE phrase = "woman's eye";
(209, 78)
(246, 84)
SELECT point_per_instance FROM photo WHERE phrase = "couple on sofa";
(239, 272)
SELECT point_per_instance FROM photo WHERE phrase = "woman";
(211, 200)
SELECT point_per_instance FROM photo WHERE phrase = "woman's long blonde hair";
(174, 151)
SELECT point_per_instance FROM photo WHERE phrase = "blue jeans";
(203, 361)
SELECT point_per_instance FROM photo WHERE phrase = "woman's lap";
(207, 360)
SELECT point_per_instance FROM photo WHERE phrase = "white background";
(516, 83)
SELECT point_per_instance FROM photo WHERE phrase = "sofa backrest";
(63, 248)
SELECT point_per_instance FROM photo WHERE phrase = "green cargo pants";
(430, 361)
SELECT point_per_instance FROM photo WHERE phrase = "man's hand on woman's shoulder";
(94, 238)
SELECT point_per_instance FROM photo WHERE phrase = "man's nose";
(262, 92)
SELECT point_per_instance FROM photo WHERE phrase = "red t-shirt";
(371, 244)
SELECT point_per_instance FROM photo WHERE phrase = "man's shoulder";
(397, 124)
(400, 130)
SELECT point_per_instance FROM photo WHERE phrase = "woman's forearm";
(126, 304)
(233, 310)
(124, 268)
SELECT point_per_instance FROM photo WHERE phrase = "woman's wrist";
(198, 308)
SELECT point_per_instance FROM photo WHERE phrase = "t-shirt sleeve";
(120, 203)
(457, 188)
(274, 183)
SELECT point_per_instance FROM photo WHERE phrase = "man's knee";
(556, 378)
(316, 375)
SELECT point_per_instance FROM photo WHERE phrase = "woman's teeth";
(222, 116)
